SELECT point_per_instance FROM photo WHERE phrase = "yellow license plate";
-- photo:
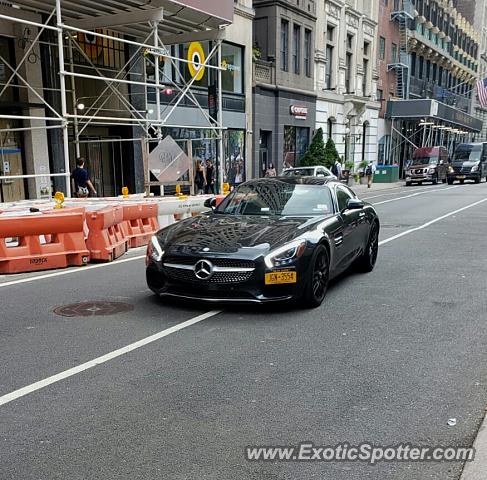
(280, 278)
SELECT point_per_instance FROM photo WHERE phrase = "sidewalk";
(376, 187)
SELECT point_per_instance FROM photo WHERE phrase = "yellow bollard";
(59, 199)
(226, 188)
(125, 192)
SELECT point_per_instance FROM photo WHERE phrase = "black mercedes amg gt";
(270, 240)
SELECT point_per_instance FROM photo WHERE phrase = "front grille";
(217, 262)
(188, 276)
(462, 170)
(420, 171)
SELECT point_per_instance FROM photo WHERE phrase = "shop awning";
(432, 109)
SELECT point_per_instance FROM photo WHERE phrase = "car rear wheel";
(318, 279)
(367, 261)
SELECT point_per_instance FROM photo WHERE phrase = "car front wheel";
(367, 261)
(318, 279)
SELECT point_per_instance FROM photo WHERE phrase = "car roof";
(296, 180)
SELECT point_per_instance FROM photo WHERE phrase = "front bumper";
(252, 291)
(464, 176)
(420, 178)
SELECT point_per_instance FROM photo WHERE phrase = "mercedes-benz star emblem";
(203, 270)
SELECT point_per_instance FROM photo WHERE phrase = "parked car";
(271, 240)
(469, 163)
(318, 171)
(428, 164)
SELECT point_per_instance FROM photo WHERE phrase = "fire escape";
(403, 14)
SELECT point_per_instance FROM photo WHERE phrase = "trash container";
(386, 174)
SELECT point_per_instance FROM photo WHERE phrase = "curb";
(476, 470)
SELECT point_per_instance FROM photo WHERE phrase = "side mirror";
(210, 203)
(355, 204)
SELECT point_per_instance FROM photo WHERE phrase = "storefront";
(284, 122)
(234, 167)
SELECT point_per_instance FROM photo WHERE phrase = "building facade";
(284, 99)
(428, 66)
(346, 77)
(476, 13)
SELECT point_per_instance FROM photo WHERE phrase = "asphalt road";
(388, 359)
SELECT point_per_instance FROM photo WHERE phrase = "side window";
(343, 196)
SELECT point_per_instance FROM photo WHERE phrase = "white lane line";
(69, 272)
(21, 392)
(402, 191)
(431, 222)
(415, 195)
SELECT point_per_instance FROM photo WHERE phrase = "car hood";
(232, 234)
(421, 165)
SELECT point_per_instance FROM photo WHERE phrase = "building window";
(365, 78)
(234, 144)
(296, 49)
(382, 48)
(296, 142)
(380, 95)
(232, 78)
(307, 53)
(329, 67)
(393, 53)
(413, 64)
(284, 44)
(330, 128)
(366, 49)
(330, 33)
(348, 73)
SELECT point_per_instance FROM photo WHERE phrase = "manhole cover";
(93, 309)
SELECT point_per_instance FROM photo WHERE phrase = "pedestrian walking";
(369, 173)
(336, 169)
(210, 178)
(200, 179)
(80, 180)
(271, 171)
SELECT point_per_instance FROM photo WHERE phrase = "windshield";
(278, 198)
(425, 161)
(300, 172)
(468, 153)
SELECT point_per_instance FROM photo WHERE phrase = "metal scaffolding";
(148, 32)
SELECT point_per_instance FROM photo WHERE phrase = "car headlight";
(475, 168)
(286, 254)
(432, 171)
(154, 250)
(450, 170)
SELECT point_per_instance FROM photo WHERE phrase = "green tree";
(331, 154)
(316, 151)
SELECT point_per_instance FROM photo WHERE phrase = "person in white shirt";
(369, 173)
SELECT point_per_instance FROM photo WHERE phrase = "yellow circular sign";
(196, 58)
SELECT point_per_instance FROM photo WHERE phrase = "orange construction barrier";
(42, 242)
(106, 240)
(139, 223)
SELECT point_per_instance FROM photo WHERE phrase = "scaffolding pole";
(64, 109)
